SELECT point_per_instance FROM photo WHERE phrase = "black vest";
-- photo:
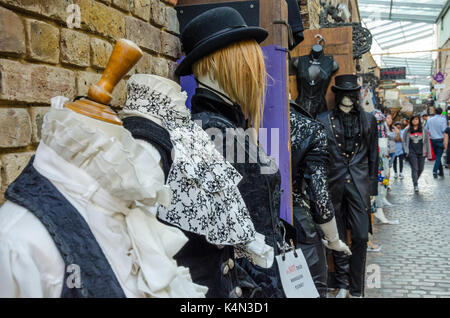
(151, 132)
(71, 234)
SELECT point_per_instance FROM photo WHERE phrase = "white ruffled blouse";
(103, 178)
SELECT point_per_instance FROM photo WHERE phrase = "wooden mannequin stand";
(124, 56)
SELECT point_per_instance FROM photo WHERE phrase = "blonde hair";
(240, 70)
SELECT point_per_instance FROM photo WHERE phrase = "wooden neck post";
(124, 56)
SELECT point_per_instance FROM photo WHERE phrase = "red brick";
(12, 32)
(34, 83)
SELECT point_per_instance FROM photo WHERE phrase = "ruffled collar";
(151, 96)
(121, 167)
(206, 199)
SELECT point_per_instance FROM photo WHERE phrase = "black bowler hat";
(346, 83)
(211, 31)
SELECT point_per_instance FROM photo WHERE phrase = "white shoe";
(401, 176)
(342, 293)
(396, 175)
(386, 202)
(380, 216)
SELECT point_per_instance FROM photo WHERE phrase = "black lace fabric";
(309, 139)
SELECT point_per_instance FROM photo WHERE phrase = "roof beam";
(392, 28)
(402, 36)
(402, 29)
(408, 39)
(438, 7)
(379, 26)
(398, 17)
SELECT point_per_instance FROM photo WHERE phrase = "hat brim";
(217, 42)
(344, 89)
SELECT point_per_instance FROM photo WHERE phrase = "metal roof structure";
(395, 23)
(401, 10)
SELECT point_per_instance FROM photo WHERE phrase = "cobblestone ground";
(415, 257)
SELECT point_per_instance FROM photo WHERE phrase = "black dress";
(312, 89)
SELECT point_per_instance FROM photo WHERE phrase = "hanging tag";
(295, 276)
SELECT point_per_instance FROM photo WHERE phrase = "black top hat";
(213, 30)
(346, 83)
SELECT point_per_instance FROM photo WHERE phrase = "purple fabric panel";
(275, 119)
(189, 85)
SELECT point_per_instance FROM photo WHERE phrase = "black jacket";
(310, 160)
(361, 167)
(260, 191)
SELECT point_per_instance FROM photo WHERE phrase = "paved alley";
(415, 257)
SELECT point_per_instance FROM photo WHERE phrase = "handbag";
(433, 156)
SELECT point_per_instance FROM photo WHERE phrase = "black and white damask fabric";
(314, 166)
(206, 199)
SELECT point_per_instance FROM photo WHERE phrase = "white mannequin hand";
(332, 237)
(338, 246)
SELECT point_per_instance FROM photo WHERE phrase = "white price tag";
(295, 276)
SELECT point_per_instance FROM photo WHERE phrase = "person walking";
(399, 154)
(391, 133)
(447, 144)
(405, 123)
(416, 145)
(436, 126)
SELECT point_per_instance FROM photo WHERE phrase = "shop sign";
(439, 77)
(393, 73)
(391, 94)
(439, 86)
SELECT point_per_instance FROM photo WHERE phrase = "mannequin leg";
(359, 224)
(341, 261)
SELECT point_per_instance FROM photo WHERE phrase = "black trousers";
(417, 164)
(351, 215)
(400, 160)
(310, 241)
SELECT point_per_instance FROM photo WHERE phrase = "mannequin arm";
(332, 237)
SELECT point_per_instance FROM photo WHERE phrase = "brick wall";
(45, 51)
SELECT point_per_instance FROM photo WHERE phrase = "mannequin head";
(347, 99)
(316, 51)
(240, 72)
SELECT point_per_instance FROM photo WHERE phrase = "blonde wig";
(240, 70)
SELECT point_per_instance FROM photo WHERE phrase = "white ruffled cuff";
(257, 252)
